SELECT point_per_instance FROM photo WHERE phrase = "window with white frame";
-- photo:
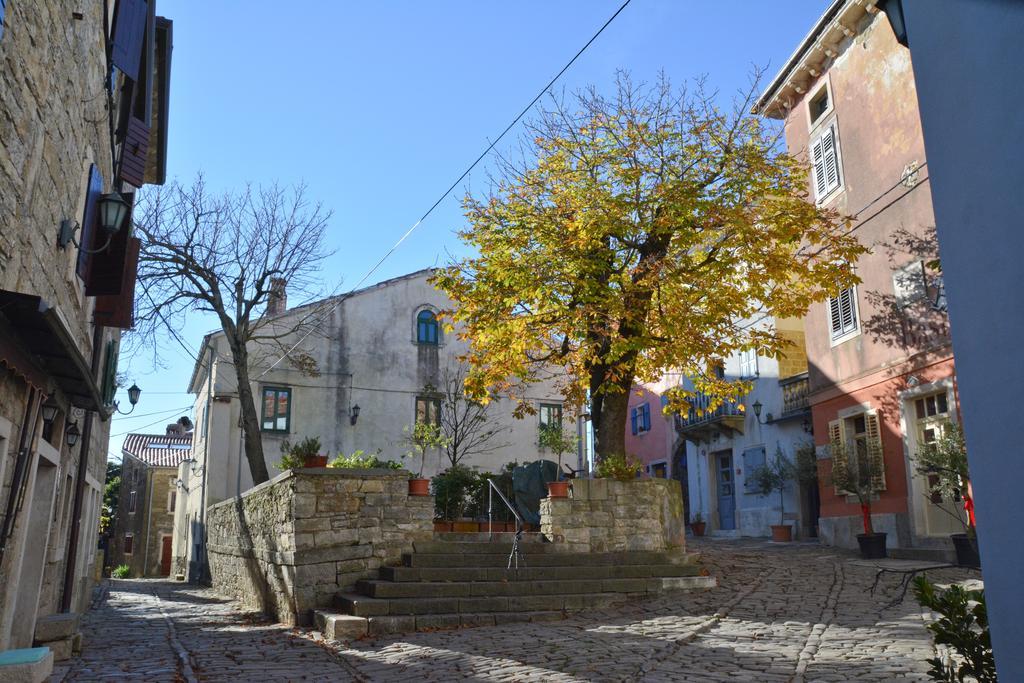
(748, 363)
(861, 451)
(640, 418)
(842, 314)
(825, 163)
(131, 503)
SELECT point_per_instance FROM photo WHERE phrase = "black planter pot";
(966, 551)
(872, 546)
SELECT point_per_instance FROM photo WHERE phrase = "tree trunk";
(610, 410)
(250, 422)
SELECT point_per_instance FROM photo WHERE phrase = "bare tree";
(466, 424)
(226, 255)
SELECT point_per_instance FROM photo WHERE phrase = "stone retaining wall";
(605, 515)
(287, 546)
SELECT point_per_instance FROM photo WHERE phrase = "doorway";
(725, 485)
(165, 555)
(931, 419)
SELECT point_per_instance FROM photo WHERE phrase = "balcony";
(794, 396)
(701, 425)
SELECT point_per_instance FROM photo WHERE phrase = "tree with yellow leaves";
(639, 233)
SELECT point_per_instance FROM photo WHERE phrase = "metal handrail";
(491, 490)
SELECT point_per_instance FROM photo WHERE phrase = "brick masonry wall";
(605, 515)
(307, 534)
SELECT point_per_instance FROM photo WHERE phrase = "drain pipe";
(25, 439)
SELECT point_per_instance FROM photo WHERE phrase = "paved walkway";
(792, 612)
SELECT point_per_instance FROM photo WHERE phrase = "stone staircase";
(460, 580)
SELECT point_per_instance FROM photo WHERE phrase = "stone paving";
(794, 612)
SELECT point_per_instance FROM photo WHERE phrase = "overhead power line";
(451, 187)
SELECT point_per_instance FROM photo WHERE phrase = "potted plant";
(361, 460)
(943, 463)
(454, 491)
(860, 478)
(422, 437)
(305, 453)
(559, 442)
(618, 466)
(774, 477)
(697, 524)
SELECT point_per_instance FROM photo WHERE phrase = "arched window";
(426, 327)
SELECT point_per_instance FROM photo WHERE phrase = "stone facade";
(153, 489)
(287, 546)
(605, 515)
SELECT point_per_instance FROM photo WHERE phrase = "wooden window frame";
(428, 325)
(822, 195)
(748, 364)
(640, 418)
(278, 390)
(843, 334)
(428, 402)
(555, 408)
(129, 544)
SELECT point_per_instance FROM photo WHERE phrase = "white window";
(131, 503)
(748, 363)
(825, 163)
(640, 419)
(842, 315)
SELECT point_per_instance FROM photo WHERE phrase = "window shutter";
(753, 458)
(839, 457)
(647, 417)
(849, 313)
(835, 315)
(109, 380)
(118, 310)
(875, 453)
(818, 169)
(632, 420)
(830, 159)
(129, 32)
(107, 271)
(134, 152)
(93, 190)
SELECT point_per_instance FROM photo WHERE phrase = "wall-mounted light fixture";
(133, 397)
(757, 413)
(113, 210)
(49, 409)
(71, 434)
(353, 414)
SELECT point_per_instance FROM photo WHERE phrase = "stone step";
(337, 626)
(362, 606)
(609, 571)
(499, 545)
(484, 558)
(441, 589)
(484, 537)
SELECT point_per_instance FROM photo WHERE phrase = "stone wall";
(605, 515)
(289, 545)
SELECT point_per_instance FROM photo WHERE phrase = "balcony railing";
(700, 423)
(794, 395)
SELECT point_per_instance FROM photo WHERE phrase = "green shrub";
(618, 466)
(963, 626)
(454, 491)
(295, 455)
(360, 460)
(503, 481)
(122, 571)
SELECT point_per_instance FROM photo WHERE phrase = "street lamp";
(49, 409)
(133, 397)
(71, 434)
(113, 210)
(353, 414)
(757, 413)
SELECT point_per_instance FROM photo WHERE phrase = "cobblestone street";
(792, 612)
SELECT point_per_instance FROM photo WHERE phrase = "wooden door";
(165, 556)
(726, 493)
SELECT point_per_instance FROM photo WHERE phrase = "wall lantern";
(72, 434)
(133, 397)
(353, 414)
(113, 209)
(49, 409)
(757, 413)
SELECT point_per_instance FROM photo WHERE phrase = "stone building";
(147, 500)
(79, 132)
(382, 359)
(881, 370)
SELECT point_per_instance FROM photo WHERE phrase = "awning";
(35, 338)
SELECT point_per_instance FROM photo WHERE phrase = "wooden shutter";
(107, 271)
(848, 310)
(129, 34)
(830, 159)
(835, 315)
(753, 458)
(118, 310)
(90, 218)
(818, 169)
(632, 421)
(876, 456)
(134, 152)
(647, 417)
(838, 448)
(108, 383)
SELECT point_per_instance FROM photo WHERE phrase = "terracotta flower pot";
(782, 533)
(697, 528)
(558, 489)
(315, 461)
(465, 526)
(419, 487)
(442, 525)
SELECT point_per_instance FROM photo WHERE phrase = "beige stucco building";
(382, 358)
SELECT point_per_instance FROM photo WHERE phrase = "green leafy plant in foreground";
(295, 455)
(122, 571)
(618, 466)
(963, 626)
(361, 460)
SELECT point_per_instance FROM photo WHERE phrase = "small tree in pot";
(559, 442)
(775, 477)
(860, 477)
(943, 463)
(420, 438)
(305, 453)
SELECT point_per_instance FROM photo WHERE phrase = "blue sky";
(379, 106)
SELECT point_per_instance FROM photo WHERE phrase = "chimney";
(277, 302)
